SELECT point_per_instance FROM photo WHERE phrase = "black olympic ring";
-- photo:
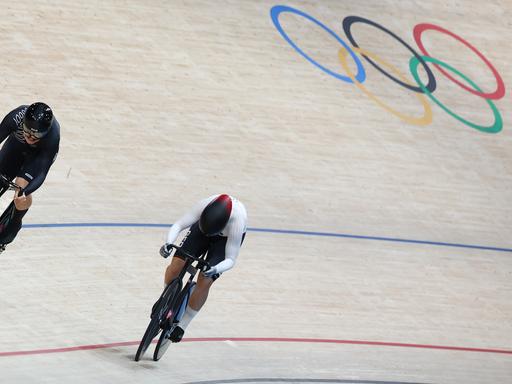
(347, 24)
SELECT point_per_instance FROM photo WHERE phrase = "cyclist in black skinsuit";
(32, 144)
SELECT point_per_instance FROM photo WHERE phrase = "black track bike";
(5, 219)
(171, 305)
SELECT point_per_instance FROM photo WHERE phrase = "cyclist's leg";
(14, 222)
(200, 294)
(216, 254)
(173, 270)
(196, 301)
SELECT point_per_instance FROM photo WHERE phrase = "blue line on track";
(280, 231)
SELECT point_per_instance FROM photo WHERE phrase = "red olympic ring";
(500, 90)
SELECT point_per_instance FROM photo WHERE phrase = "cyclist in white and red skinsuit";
(217, 226)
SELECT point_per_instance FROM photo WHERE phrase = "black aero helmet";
(215, 215)
(38, 120)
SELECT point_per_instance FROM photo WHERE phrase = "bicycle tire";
(153, 328)
(149, 335)
(162, 345)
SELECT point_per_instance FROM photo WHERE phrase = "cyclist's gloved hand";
(165, 251)
(210, 272)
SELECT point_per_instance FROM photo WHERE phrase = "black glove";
(165, 251)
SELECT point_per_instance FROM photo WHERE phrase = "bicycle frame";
(186, 291)
(184, 299)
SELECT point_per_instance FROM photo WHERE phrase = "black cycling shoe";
(176, 334)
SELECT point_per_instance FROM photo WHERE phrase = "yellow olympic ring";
(427, 116)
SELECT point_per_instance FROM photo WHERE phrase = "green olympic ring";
(498, 121)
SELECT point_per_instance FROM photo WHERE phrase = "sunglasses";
(32, 134)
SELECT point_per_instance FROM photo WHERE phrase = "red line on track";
(258, 339)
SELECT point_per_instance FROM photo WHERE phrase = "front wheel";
(151, 331)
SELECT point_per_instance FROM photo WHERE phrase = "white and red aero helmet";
(216, 215)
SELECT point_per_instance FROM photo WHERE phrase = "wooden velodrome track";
(380, 244)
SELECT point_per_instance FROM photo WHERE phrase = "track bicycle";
(169, 308)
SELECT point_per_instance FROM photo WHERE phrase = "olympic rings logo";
(395, 75)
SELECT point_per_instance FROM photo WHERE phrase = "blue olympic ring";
(278, 9)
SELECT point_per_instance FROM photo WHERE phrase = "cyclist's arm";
(187, 220)
(38, 179)
(7, 126)
(233, 244)
(45, 160)
(184, 222)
